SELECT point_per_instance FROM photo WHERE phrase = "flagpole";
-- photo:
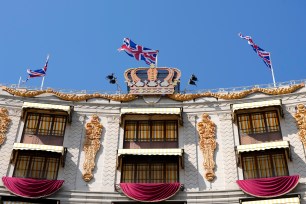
(19, 82)
(272, 71)
(42, 83)
(156, 60)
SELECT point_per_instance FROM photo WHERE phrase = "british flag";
(139, 52)
(264, 55)
(39, 72)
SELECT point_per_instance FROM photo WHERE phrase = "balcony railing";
(43, 139)
(260, 138)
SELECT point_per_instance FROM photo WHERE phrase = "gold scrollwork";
(4, 123)
(91, 146)
(207, 129)
(300, 118)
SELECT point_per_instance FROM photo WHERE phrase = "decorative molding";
(91, 146)
(192, 117)
(207, 130)
(300, 117)
(156, 90)
(237, 95)
(4, 123)
(70, 97)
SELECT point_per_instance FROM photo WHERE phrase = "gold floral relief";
(4, 124)
(300, 118)
(207, 130)
(91, 146)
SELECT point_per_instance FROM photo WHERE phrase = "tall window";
(154, 131)
(264, 164)
(149, 170)
(45, 124)
(37, 165)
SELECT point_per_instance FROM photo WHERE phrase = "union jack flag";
(39, 72)
(138, 52)
(264, 55)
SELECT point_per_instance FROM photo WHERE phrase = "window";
(149, 134)
(43, 128)
(37, 165)
(149, 170)
(259, 127)
(154, 131)
(264, 164)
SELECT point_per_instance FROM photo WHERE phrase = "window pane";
(22, 166)
(157, 173)
(45, 125)
(144, 131)
(143, 173)
(258, 123)
(272, 122)
(157, 131)
(36, 167)
(32, 121)
(128, 173)
(51, 168)
(264, 166)
(280, 166)
(130, 131)
(171, 173)
(244, 124)
(249, 168)
(59, 125)
(171, 131)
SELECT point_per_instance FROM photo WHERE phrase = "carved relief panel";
(206, 129)
(4, 123)
(300, 117)
(91, 146)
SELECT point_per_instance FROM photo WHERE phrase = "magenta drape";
(31, 188)
(150, 192)
(269, 187)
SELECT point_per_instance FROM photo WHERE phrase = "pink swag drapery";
(150, 192)
(31, 188)
(269, 187)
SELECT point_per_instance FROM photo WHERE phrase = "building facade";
(153, 144)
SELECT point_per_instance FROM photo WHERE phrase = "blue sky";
(195, 36)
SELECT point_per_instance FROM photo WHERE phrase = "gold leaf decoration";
(4, 123)
(207, 130)
(300, 118)
(91, 146)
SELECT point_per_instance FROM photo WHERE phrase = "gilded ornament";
(4, 123)
(91, 146)
(300, 118)
(207, 130)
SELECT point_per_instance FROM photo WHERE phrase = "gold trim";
(237, 95)
(176, 97)
(4, 124)
(300, 118)
(207, 130)
(70, 97)
(91, 146)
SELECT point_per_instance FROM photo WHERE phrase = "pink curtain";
(31, 188)
(150, 192)
(269, 187)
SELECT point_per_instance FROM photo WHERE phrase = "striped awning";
(48, 148)
(257, 104)
(173, 111)
(46, 106)
(262, 146)
(294, 200)
(165, 152)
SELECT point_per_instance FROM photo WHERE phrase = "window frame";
(150, 122)
(32, 155)
(270, 154)
(149, 161)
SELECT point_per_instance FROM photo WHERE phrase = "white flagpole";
(42, 83)
(272, 72)
(156, 60)
(19, 82)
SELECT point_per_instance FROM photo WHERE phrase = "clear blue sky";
(197, 37)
